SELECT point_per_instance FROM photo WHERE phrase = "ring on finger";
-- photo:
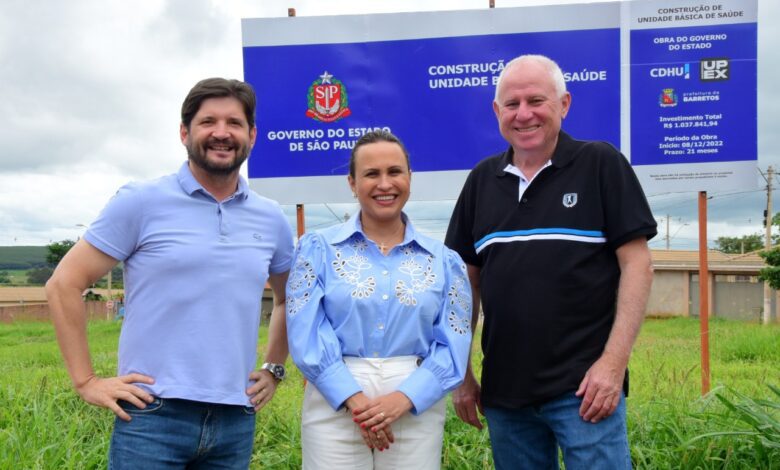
(382, 415)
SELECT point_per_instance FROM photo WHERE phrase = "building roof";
(688, 260)
(14, 295)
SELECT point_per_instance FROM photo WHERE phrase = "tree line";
(747, 243)
(41, 273)
(54, 253)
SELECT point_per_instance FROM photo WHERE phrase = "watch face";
(276, 369)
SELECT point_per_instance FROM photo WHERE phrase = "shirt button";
(525, 200)
(385, 297)
(385, 273)
(381, 326)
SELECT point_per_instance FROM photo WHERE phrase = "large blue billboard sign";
(693, 95)
(322, 82)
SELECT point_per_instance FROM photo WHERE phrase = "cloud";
(38, 208)
(91, 99)
(768, 78)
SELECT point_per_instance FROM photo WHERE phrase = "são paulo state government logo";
(327, 99)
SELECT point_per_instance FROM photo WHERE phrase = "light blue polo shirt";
(194, 275)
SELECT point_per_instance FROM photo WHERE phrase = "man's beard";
(197, 155)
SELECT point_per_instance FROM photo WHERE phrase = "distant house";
(29, 303)
(734, 289)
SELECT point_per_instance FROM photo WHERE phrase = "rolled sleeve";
(283, 255)
(116, 230)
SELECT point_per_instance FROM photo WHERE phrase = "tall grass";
(671, 425)
(44, 425)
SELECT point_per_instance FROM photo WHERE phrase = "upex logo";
(327, 99)
(668, 98)
(714, 70)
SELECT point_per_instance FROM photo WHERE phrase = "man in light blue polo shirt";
(198, 247)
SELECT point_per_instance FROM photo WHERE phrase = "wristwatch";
(277, 370)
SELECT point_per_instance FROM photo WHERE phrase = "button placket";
(223, 224)
(385, 281)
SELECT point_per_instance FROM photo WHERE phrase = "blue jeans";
(528, 438)
(179, 434)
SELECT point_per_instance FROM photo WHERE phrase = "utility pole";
(768, 244)
(704, 295)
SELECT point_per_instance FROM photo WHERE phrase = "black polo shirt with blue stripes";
(549, 274)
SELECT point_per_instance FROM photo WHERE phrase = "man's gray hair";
(552, 67)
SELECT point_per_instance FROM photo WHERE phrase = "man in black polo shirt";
(554, 232)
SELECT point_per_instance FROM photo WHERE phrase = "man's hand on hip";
(263, 389)
(106, 392)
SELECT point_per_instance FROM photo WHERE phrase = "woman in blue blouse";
(378, 321)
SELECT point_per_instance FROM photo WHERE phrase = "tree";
(117, 279)
(743, 244)
(39, 276)
(771, 273)
(776, 223)
(776, 219)
(90, 295)
(57, 251)
(4, 277)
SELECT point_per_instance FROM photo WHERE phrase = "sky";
(92, 91)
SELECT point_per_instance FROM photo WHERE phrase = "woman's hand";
(378, 414)
(379, 440)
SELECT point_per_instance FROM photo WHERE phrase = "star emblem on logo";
(326, 77)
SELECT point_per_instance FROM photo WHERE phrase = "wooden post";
(704, 296)
(299, 211)
(109, 311)
(301, 220)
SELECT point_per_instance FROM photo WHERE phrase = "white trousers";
(332, 441)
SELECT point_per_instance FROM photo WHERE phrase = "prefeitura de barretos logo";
(327, 99)
(668, 98)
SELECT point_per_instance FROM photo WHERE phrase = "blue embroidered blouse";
(344, 298)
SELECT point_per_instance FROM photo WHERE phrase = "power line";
(674, 204)
(331, 211)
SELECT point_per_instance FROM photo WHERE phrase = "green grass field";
(18, 277)
(43, 424)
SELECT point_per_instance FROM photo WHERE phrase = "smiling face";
(219, 138)
(381, 182)
(529, 110)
